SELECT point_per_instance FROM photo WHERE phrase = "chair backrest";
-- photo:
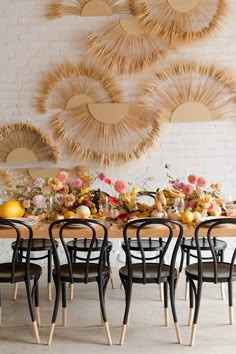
(18, 228)
(89, 228)
(208, 227)
(137, 228)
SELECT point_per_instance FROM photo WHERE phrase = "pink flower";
(212, 206)
(192, 204)
(63, 176)
(101, 176)
(122, 217)
(187, 189)
(39, 201)
(64, 189)
(202, 182)
(120, 186)
(76, 184)
(192, 179)
(107, 180)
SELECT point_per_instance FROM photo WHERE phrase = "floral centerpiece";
(52, 198)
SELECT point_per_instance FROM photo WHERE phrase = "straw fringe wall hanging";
(180, 20)
(59, 8)
(125, 47)
(70, 85)
(190, 92)
(21, 142)
(108, 134)
(5, 178)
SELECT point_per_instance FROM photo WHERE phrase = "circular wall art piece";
(108, 134)
(24, 143)
(71, 85)
(125, 47)
(60, 8)
(188, 92)
(180, 20)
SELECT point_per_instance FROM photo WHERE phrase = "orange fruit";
(187, 217)
(69, 214)
(12, 209)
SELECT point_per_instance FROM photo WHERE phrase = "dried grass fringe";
(106, 144)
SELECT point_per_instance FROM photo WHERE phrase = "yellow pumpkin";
(12, 209)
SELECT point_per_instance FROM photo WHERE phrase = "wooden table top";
(115, 231)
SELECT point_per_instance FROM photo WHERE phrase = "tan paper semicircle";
(43, 172)
(183, 5)
(21, 155)
(96, 8)
(131, 26)
(191, 112)
(77, 100)
(108, 113)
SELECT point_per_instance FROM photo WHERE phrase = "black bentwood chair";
(215, 271)
(15, 272)
(79, 272)
(78, 248)
(143, 272)
(188, 248)
(151, 246)
(39, 245)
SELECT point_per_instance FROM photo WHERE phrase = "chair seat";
(223, 270)
(78, 271)
(84, 243)
(190, 243)
(151, 272)
(5, 272)
(38, 244)
(147, 244)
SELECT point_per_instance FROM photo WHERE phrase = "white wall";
(30, 45)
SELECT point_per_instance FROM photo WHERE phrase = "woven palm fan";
(190, 92)
(180, 20)
(125, 47)
(69, 85)
(59, 8)
(20, 138)
(108, 139)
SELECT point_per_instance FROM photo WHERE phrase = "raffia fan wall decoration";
(11, 177)
(60, 8)
(189, 92)
(125, 47)
(180, 20)
(70, 85)
(108, 134)
(23, 143)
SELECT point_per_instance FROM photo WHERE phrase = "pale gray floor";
(145, 334)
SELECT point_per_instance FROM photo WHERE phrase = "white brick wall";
(30, 44)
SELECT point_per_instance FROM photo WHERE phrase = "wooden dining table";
(40, 230)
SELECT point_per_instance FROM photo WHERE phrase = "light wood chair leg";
(51, 333)
(64, 316)
(122, 336)
(15, 291)
(190, 317)
(71, 291)
(161, 291)
(177, 330)
(0, 316)
(112, 281)
(36, 332)
(186, 291)
(222, 288)
(37, 315)
(49, 291)
(166, 314)
(231, 315)
(177, 280)
(193, 333)
(108, 333)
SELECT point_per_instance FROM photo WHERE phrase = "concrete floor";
(145, 334)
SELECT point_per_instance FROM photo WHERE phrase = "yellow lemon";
(187, 217)
(12, 209)
(69, 214)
